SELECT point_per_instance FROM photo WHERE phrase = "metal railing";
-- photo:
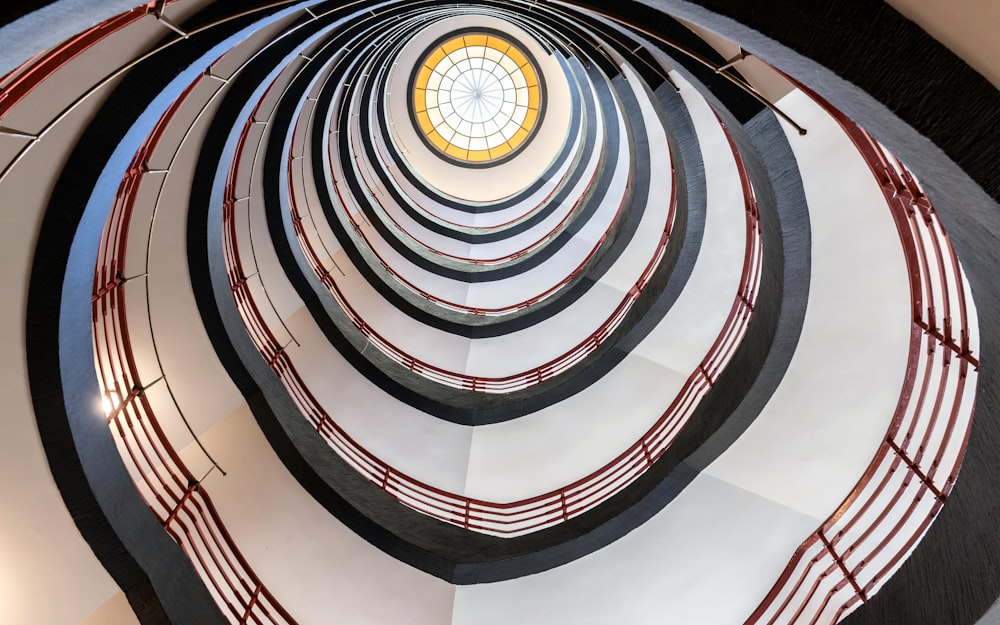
(21, 81)
(502, 384)
(527, 515)
(486, 262)
(483, 311)
(848, 558)
(835, 569)
(501, 310)
(176, 496)
(384, 155)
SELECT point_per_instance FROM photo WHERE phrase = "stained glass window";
(476, 97)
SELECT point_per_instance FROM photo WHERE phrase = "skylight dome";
(477, 98)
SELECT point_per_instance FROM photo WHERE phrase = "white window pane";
(435, 116)
(447, 107)
(477, 97)
(496, 139)
(509, 65)
(519, 113)
(434, 82)
(453, 120)
(494, 55)
(490, 127)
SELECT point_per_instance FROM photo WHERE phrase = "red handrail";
(498, 311)
(21, 81)
(503, 384)
(904, 487)
(503, 310)
(174, 494)
(382, 153)
(519, 517)
(485, 262)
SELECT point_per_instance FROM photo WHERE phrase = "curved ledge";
(468, 570)
(157, 577)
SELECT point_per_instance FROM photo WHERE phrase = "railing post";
(192, 486)
(251, 604)
(842, 566)
(645, 452)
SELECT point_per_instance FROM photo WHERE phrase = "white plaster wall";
(315, 566)
(836, 400)
(740, 520)
(548, 449)
(503, 292)
(48, 573)
(185, 351)
(711, 553)
(448, 351)
(406, 227)
(443, 214)
(38, 537)
(528, 284)
(683, 338)
(556, 446)
(967, 27)
(768, 82)
(114, 611)
(41, 546)
(532, 347)
(416, 443)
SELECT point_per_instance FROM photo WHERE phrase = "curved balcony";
(878, 391)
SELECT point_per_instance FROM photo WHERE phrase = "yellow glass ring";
(476, 98)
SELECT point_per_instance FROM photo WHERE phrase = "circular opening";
(476, 98)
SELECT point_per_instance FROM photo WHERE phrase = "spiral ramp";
(538, 312)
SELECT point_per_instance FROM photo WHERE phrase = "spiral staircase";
(508, 311)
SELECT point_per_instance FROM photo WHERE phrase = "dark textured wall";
(897, 63)
(10, 11)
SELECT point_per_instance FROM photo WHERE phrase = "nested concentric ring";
(622, 256)
(477, 98)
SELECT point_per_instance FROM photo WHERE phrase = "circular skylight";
(476, 97)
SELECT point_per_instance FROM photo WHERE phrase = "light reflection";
(110, 401)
